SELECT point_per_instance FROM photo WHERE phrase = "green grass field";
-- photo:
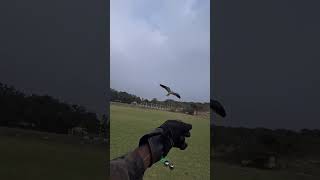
(33, 158)
(128, 124)
(223, 171)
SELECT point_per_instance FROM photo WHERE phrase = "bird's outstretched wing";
(217, 107)
(176, 94)
(166, 88)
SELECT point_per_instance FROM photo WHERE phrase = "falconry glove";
(170, 134)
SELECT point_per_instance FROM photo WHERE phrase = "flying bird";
(169, 91)
(217, 107)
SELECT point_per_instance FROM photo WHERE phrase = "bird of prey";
(169, 91)
(217, 107)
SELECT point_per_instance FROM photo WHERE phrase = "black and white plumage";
(169, 91)
(217, 107)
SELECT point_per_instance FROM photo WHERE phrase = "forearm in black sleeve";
(127, 167)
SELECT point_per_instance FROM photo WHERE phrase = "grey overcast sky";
(266, 62)
(56, 48)
(165, 41)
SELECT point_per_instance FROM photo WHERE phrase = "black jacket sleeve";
(127, 167)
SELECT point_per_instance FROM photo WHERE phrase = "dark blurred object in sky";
(217, 107)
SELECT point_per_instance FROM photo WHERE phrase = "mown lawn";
(26, 158)
(224, 171)
(128, 124)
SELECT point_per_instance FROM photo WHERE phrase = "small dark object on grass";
(171, 166)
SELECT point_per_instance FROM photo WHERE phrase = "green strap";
(163, 159)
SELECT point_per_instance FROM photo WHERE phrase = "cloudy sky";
(266, 62)
(56, 48)
(155, 42)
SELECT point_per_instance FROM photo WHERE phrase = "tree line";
(186, 107)
(45, 113)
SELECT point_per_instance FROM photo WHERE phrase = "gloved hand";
(170, 134)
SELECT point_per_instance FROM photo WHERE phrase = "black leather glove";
(170, 134)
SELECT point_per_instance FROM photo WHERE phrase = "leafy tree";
(43, 113)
